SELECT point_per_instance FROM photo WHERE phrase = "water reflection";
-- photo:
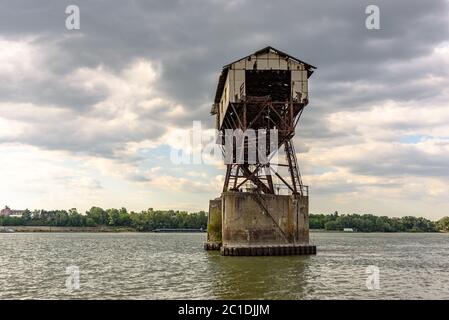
(174, 266)
(258, 277)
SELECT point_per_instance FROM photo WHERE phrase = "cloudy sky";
(90, 116)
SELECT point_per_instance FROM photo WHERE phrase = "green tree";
(443, 224)
(98, 216)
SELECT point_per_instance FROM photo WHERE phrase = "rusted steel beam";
(254, 179)
(236, 177)
(248, 177)
(282, 179)
(270, 183)
(238, 118)
(227, 176)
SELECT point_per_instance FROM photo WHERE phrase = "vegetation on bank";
(443, 224)
(157, 219)
(143, 221)
(372, 223)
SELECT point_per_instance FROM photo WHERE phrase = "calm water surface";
(174, 266)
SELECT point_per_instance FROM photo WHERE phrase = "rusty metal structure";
(263, 208)
(266, 90)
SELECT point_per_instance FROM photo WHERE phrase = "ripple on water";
(174, 266)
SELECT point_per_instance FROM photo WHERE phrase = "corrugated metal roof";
(279, 52)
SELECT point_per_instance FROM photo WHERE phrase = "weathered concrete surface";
(245, 223)
(214, 225)
(238, 226)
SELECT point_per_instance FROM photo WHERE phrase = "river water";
(174, 266)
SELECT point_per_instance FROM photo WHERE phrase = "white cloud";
(83, 119)
(20, 60)
(393, 151)
(176, 184)
(35, 178)
(92, 149)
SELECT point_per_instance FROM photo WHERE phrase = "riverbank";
(70, 229)
(350, 232)
(109, 229)
(88, 229)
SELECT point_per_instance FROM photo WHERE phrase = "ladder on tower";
(293, 168)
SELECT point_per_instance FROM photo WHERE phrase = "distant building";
(7, 212)
(348, 230)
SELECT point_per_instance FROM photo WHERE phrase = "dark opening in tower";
(274, 83)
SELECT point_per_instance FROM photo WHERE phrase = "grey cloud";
(74, 137)
(138, 178)
(193, 39)
(51, 92)
(405, 160)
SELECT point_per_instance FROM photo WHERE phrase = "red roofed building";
(7, 212)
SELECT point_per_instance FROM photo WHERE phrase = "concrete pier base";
(212, 245)
(275, 250)
(239, 226)
(214, 226)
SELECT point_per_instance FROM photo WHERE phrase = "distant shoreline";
(349, 232)
(108, 229)
(100, 229)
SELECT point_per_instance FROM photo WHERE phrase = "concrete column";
(214, 225)
(246, 223)
(238, 225)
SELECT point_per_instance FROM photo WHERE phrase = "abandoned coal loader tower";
(264, 207)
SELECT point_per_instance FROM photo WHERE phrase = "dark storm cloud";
(192, 40)
(53, 92)
(71, 137)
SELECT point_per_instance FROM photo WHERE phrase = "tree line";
(372, 223)
(150, 219)
(147, 220)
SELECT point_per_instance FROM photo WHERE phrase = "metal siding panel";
(304, 75)
(250, 63)
(240, 64)
(283, 64)
(296, 75)
(240, 75)
(231, 86)
(273, 55)
(262, 64)
(299, 83)
(296, 83)
(273, 64)
(293, 65)
(296, 87)
(305, 84)
(224, 97)
(237, 95)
